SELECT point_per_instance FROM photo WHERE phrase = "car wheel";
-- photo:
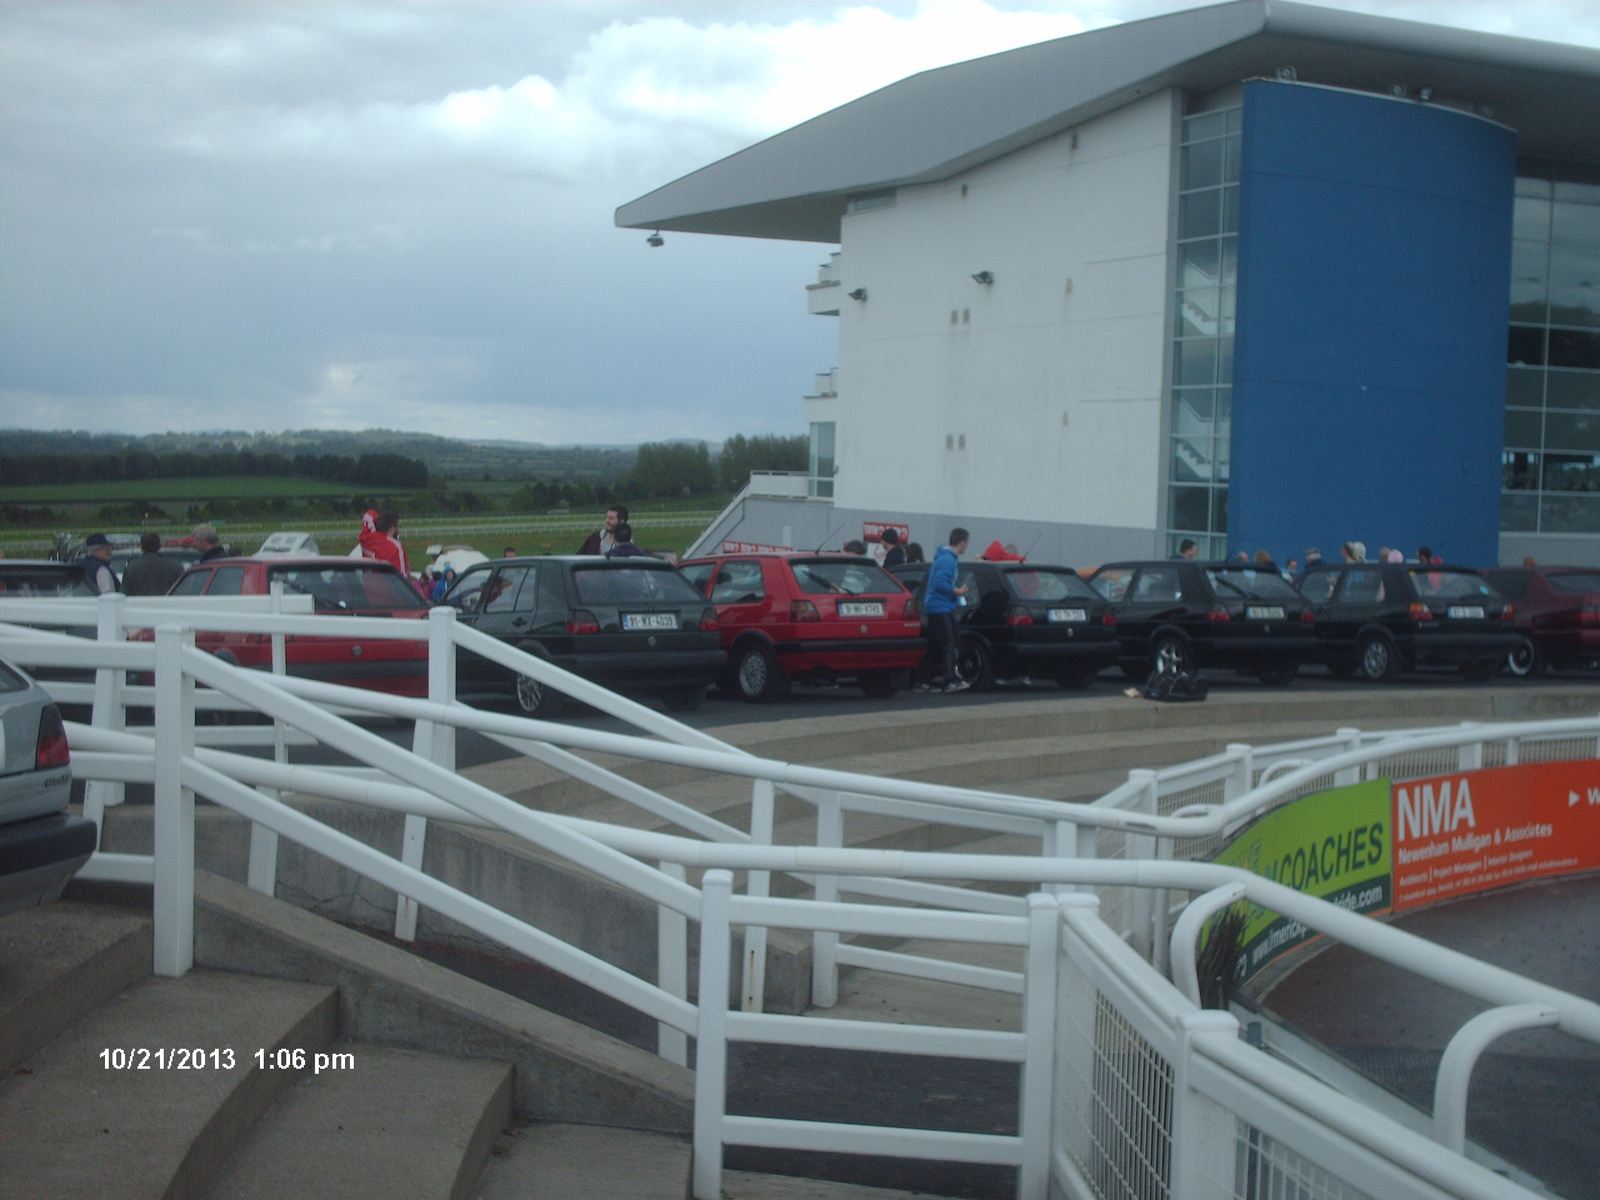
(1171, 655)
(1279, 673)
(880, 685)
(1075, 679)
(1376, 658)
(1525, 661)
(975, 664)
(537, 700)
(758, 675)
(1479, 672)
(684, 699)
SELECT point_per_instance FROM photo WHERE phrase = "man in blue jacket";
(940, 603)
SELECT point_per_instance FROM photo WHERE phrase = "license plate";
(861, 608)
(649, 620)
(1264, 612)
(1464, 612)
(1068, 614)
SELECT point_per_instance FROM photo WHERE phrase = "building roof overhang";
(797, 184)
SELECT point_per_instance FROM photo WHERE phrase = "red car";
(1558, 616)
(355, 586)
(819, 618)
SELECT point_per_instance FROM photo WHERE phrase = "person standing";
(941, 599)
(207, 542)
(623, 546)
(96, 564)
(602, 539)
(383, 542)
(1187, 550)
(894, 554)
(150, 574)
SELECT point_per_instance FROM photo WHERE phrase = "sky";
(266, 216)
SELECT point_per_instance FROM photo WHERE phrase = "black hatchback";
(1174, 615)
(1379, 619)
(631, 624)
(1018, 620)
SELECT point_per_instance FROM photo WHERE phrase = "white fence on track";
(1128, 1089)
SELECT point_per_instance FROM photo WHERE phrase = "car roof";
(34, 564)
(296, 560)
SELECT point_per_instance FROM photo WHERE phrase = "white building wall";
(1055, 387)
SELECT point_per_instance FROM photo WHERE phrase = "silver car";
(41, 844)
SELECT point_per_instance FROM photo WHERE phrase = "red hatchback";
(350, 586)
(819, 618)
(1558, 616)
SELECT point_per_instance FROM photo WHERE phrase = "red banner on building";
(1468, 832)
(754, 548)
(872, 531)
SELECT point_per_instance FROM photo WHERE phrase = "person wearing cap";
(207, 542)
(96, 564)
(894, 553)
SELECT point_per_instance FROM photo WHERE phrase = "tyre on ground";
(757, 675)
(1377, 659)
(975, 664)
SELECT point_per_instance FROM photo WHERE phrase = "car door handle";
(520, 623)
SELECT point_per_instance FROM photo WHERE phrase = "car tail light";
(52, 749)
(1308, 616)
(911, 612)
(1018, 615)
(1109, 619)
(803, 610)
(582, 622)
(708, 621)
(1508, 613)
(1420, 611)
(1218, 612)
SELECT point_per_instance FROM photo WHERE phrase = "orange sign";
(1471, 831)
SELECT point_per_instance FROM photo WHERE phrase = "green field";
(214, 487)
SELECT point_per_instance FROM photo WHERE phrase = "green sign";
(1333, 844)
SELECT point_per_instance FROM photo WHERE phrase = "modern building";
(1241, 273)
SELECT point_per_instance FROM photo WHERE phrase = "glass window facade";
(1202, 341)
(821, 470)
(1550, 468)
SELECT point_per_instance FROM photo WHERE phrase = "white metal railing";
(1128, 1087)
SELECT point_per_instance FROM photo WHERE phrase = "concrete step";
(71, 1128)
(58, 963)
(586, 1162)
(394, 1123)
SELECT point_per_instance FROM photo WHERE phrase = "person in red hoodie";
(380, 539)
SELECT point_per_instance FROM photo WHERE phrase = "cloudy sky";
(260, 215)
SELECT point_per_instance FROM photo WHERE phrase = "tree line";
(669, 469)
(367, 470)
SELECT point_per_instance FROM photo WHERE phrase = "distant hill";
(451, 457)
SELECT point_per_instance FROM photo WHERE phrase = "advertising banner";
(754, 548)
(1476, 830)
(872, 531)
(1334, 844)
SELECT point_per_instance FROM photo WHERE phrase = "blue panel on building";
(1373, 297)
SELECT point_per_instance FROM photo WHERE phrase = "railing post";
(1162, 918)
(174, 806)
(1185, 973)
(1349, 775)
(1038, 1033)
(711, 1042)
(1140, 908)
(1204, 1133)
(754, 983)
(825, 943)
(1513, 751)
(436, 743)
(1469, 757)
(1242, 777)
(99, 795)
(1461, 1055)
(672, 969)
(262, 874)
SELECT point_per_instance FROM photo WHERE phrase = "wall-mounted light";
(984, 277)
(655, 239)
(858, 294)
(1425, 94)
(1288, 74)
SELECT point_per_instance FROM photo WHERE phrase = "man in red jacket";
(381, 540)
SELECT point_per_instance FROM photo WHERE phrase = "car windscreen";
(1250, 584)
(1046, 586)
(46, 582)
(1451, 585)
(612, 587)
(821, 577)
(348, 589)
(1574, 582)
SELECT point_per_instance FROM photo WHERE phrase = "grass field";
(214, 487)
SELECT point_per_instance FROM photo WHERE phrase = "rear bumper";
(37, 858)
(1267, 648)
(1455, 648)
(1040, 658)
(850, 654)
(661, 670)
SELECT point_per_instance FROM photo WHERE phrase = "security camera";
(655, 239)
